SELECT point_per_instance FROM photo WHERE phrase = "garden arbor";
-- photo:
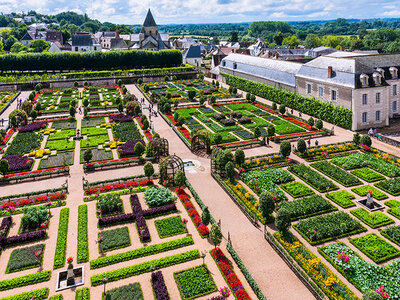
(201, 141)
(169, 167)
(160, 147)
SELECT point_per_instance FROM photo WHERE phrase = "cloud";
(209, 11)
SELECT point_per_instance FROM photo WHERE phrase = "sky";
(211, 11)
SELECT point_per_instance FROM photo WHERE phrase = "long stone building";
(368, 84)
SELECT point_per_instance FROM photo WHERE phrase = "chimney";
(36, 33)
(277, 55)
(330, 72)
(341, 48)
(117, 33)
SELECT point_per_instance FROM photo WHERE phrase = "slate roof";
(193, 52)
(118, 44)
(149, 21)
(82, 40)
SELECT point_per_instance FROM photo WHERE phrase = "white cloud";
(391, 14)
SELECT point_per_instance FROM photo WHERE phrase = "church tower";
(149, 27)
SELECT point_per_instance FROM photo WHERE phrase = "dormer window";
(235, 66)
(377, 78)
(364, 80)
(223, 63)
(394, 72)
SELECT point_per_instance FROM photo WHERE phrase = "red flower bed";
(295, 134)
(148, 135)
(40, 199)
(231, 102)
(118, 186)
(131, 184)
(90, 191)
(9, 204)
(139, 121)
(8, 135)
(230, 276)
(35, 172)
(185, 132)
(171, 118)
(25, 202)
(57, 197)
(201, 228)
(192, 106)
(105, 188)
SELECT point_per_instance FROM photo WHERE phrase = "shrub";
(4, 167)
(274, 106)
(282, 221)
(87, 155)
(215, 235)
(205, 216)
(271, 130)
(34, 217)
(282, 109)
(61, 246)
(191, 94)
(230, 170)
(148, 169)
(25, 280)
(83, 247)
(285, 148)
(301, 146)
(179, 178)
(239, 157)
(257, 132)
(267, 204)
(310, 121)
(72, 111)
(319, 124)
(217, 138)
(139, 149)
(366, 140)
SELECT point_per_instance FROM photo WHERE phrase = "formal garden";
(318, 202)
(6, 98)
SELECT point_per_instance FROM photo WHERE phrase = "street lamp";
(105, 280)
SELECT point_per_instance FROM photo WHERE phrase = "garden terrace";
(56, 101)
(6, 98)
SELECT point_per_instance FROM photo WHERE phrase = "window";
(377, 116)
(235, 66)
(378, 98)
(364, 80)
(394, 89)
(364, 99)
(76, 49)
(308, 88)
(223, 63)
(364, 117)
(394, 106)
(333, 95)
(321, 91)
(95, 48)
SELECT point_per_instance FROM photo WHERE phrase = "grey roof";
(28, 36)
(319, 49)
(275, 70)
(82, 40)
(193, 52)
(149, 21)
(118, 44)
(321, 74)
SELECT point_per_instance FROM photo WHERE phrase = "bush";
(310, 121)
(34, 217)
(248, 96)
(239, 157)
(83, 247)
(274, 106)
(110, 204)
(267, 204)
(257, 132)
(319, 124)
(148, 169)
(72, 111)
(285, 148)
(25, 280)
(34, 115)
(301, 146)
(217, 138)
(179, 178)
(191, 94)
(87, 155)
(356, 138)
(139, 149)
(212, 98)
(372, 295)
(366, 140)
(61, 246)
(4, 167)
(230, 170)
(270, 130)
(282, 109)
(282, 221)
(205, 216)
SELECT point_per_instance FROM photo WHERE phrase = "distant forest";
(378, 34)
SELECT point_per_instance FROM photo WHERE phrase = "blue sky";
(211, 11)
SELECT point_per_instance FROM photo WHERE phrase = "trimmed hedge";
(83, 247)
(145, 267)
(39, 294)
(82, 294)
(61, 247)
(140, 252)
(56, 297)
(328, 112)
(25, 280)
(90, 60)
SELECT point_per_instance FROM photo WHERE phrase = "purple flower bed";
(111, 220)
(136, 207)
(24, 237)
(121, 118)
(217, 298)
(129, 147)
(33, 126)
(18, 162)
(143, 230)
(160, 290)
(4, 227)
(157, 211)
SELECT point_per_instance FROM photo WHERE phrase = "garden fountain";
(370, 204)
(71, 277)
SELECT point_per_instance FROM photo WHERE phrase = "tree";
(282, 109)
(145, 124)
(39, 45)
(248, 95)
(180, 121)
(34, 115)
(319, 124)
(278, 38)
(239, 157)
(87, 155)
(312, 41)
(85, 102)
(267, 205)
(179, 178)
(191, 94)
(257, 132)
(234, 36)
(119, 82)
(18, 47)
(217, 138)
(291, 41)
(372, 295)
(282, 221)
(18, 118)
(120, 107)
(213, 99)
(76, 84)
(148, 169)
(205, 216)
(366, 140)
(166, 78)
(4, 167)
(138, 149)
(274, 107)
(32, 96)
(310, 121)
(253, 98)
(356, 138)
(3, 134)
(285, 148)
(301, 146)
(230, 170)
(215, 235)
(140, 81)
(270, 130)
(38, 87)
(27, 106)
(38, 107)
(72, 111)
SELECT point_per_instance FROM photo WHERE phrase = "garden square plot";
(92, 121)
(307, 207)
(98, 155)
(373, 220)
(392, 186)
(342, 198)
(24, 143)
(60, 145)
(392, 233)
(93, 131)
(195, 282)
(25, 258)
(375, 247)
(394, 208)
(60, 159)
(64, 124)
(126, 131)
(114, 239)
(368, 175)
(62, 134)
(297, 189)
(170, 226)
(285, 127)
(126, 292)
(94, 141)
(364, 190)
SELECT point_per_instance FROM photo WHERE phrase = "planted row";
(336, 173)
(83, 247)
(61, 247)
(316, 180)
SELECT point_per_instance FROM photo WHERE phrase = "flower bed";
(364, 275)
(25, 258)
(192, 211)
(373, 220)
(24, 238)
(331, 285)
(36, 200)
(320, 229)
(33, 126)
(195, 282)
(392, 233)
(114, 239)
(170, 226)
(83, 247)
(118, 186)
(159, 287)
(24, 143)
(229, 274)
(144, 267)
(336, 173)
(342, 198)
(18, 163)
(263, 160)
(324, 151)
(129, 291)
(367, 174)
(365, 189)
(319, 182)
(8, 136)
(120, 118)
(375, 247)
(394, 208)
(307, 207)
(297, 189)
(61, 246)
(392, 186)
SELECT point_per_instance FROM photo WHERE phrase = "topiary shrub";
(257, 132)
(356, 138)
(270, 130)
(267, 206)
(319, 124)
(138, 149)
(301, 146)
(179, 178)
(230, 170)
(282, 221)
(285, 148)
(217, 138)
(310, 121)
(274, 107)
(366, 140)
(239, 157)
(282, 109)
